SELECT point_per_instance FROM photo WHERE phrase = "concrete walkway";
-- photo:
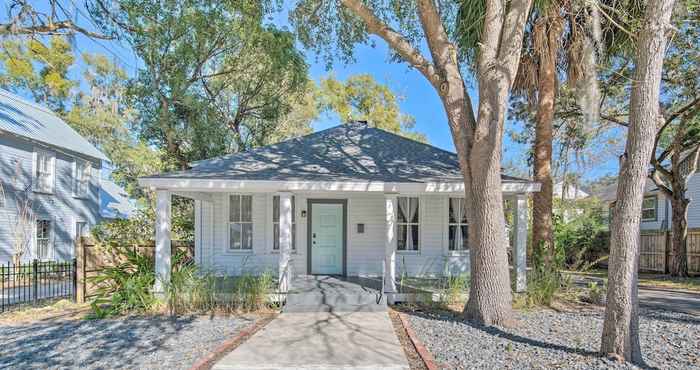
(321, 340)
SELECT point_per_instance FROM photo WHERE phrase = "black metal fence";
(31, 283)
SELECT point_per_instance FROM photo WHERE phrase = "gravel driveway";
(134, 342)
(548, 339)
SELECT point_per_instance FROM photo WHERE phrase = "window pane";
(454, 208)
(235, 208)
(401, 238)
(452, 235)
(465, 237)
(247, 236)
(246, 208)
(414, 238)
(275, 208)
(463, 208)
(648, 214)
(402, 216)
(413, 215)
(648, 202)
(235, 236)
(276, 236)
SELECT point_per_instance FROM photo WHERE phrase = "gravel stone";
(153, 342)
(555, 340)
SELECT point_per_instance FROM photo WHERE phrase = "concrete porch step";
(372, 307)
(332, 294)
(315, 298)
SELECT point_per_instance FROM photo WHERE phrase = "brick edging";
(423, 352)
(230, 344)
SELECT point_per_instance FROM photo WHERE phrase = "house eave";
(264, 186)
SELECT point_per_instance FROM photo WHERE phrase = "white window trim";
(52, 239)
(656, 208)
(420, 225)
(52, 165)
(446, 223)
(88, 165)
(270, 221)
(227, 247)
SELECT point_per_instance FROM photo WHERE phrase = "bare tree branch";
(399, 43)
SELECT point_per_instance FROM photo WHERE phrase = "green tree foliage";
(362, 98)
(39, 68)
(215, 79)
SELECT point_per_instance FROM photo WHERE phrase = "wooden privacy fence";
(655, 251)
(92, 258)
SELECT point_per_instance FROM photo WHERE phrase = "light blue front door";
(326, 239)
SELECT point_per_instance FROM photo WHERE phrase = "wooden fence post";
(80, 273)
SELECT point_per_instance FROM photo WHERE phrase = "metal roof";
(349, 152)
(35, 122)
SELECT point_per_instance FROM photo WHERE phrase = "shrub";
(582, 240)
(126, 286)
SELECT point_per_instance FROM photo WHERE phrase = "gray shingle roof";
(23, 118)
(349, 152)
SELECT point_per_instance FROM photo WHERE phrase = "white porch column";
(520, 223)
(285, 240)
(163, 253)
(390, 247)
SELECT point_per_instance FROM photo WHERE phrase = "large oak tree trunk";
(478, 141)
(678, 265)
(620, 336)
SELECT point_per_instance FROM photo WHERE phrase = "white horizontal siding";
(365, 250)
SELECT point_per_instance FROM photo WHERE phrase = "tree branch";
(680, 111)
(58, 28)
(399, 43)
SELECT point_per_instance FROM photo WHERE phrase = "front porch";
(282, 236)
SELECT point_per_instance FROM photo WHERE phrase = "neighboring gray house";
(351, 200)
(656, 207)
(44, 161)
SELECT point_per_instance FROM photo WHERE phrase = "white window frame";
(86, 228)
(655, 208)
(229, 246)
(50, 240)
(78, 181)
(35, 168)
(455, 252)
(418, 240)
(276, 222)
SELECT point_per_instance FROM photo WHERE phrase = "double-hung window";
(240, 222)
(276, 223)
(649, 206)
(44, 171)
(43, 239)
(81, 183)
(458, 229)
(408, 224)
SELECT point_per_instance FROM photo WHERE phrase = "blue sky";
(419, 98)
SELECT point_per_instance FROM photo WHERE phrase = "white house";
(350, 200)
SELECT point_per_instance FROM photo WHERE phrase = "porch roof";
(351, 152)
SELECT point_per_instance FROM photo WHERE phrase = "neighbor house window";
(649, 208)
(241, 222)
(44, 172)
(458, 229)
(276, 223)
(43, 239)
(81, 178)
(408, 222)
